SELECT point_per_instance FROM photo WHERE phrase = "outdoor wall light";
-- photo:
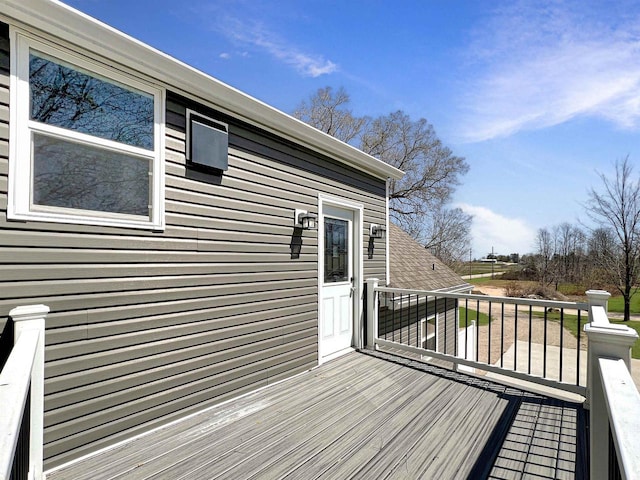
(305, 220)
(377, 231)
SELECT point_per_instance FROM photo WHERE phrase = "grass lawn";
(480, 281)
(479, 317)
(635, 351)
(481, 267)
(571, 323)
(616, 304)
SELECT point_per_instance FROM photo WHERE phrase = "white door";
(338, 281)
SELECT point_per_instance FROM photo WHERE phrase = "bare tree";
(448, 236)
(327, 111)
(418, 201)
(601, 248)
(431, 170)
(617, 207)
(569, 243)
(545, 247)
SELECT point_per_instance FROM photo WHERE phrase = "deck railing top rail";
(488, 298)
(623, 409)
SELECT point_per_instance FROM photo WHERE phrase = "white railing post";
(609, 341)
(372, 312)
(32, 317)
(597, 298)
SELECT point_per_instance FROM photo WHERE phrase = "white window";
(86, 142)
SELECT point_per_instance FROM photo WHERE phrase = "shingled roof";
(413, 267)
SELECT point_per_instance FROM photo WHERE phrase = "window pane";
(67, 98)
(336, 255)
(73, 175)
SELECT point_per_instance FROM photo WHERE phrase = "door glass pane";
(71, 99)
(336, 253)
(74, 175)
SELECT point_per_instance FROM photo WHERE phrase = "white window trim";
(424, 336)
(20, 162)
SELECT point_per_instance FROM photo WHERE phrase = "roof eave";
(462, 288)
(70, 25)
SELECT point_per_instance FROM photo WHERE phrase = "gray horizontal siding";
(59, 385)
(448, 332)
(146, 327)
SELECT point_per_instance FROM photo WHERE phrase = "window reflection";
(73, 175)
(68, 98)
(336, 254)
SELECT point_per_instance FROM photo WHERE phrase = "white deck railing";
(613, 400)
(557, 365)
(22, 378)
(611, 395)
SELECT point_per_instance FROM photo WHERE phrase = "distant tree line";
(605, 255)
(511, 258)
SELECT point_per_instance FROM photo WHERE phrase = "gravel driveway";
(507, 329)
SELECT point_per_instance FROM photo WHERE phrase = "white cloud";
(490, 229)
(539, 64)
(256, 34)
(225, 56)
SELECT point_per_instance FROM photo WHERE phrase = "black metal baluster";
(409, 318)
(578, 348)
(544, 346)
(489, 344)
(417, 320)
(446, 344)
(530, 317)
(20, 464)
(443, 348)
(477, 330)
(502, 335)
(466, 326)
(401, 311)
(561, 339)
(456, 333)
(393, 317)
(614, 463)
(382, 321)
(515, 341)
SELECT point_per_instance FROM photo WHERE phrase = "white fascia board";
(54, 18)
(463, 288)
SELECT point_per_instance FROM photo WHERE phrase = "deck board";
(363, 416)
(285, 404)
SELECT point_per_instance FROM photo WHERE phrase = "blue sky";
(538, 96)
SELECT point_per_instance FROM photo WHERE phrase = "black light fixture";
(305, 220)
(377, 231)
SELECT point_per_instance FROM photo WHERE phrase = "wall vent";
(207, 142)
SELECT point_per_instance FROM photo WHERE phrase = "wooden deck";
(368, 416)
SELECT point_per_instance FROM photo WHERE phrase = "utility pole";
(493, 262)
(470, 264)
